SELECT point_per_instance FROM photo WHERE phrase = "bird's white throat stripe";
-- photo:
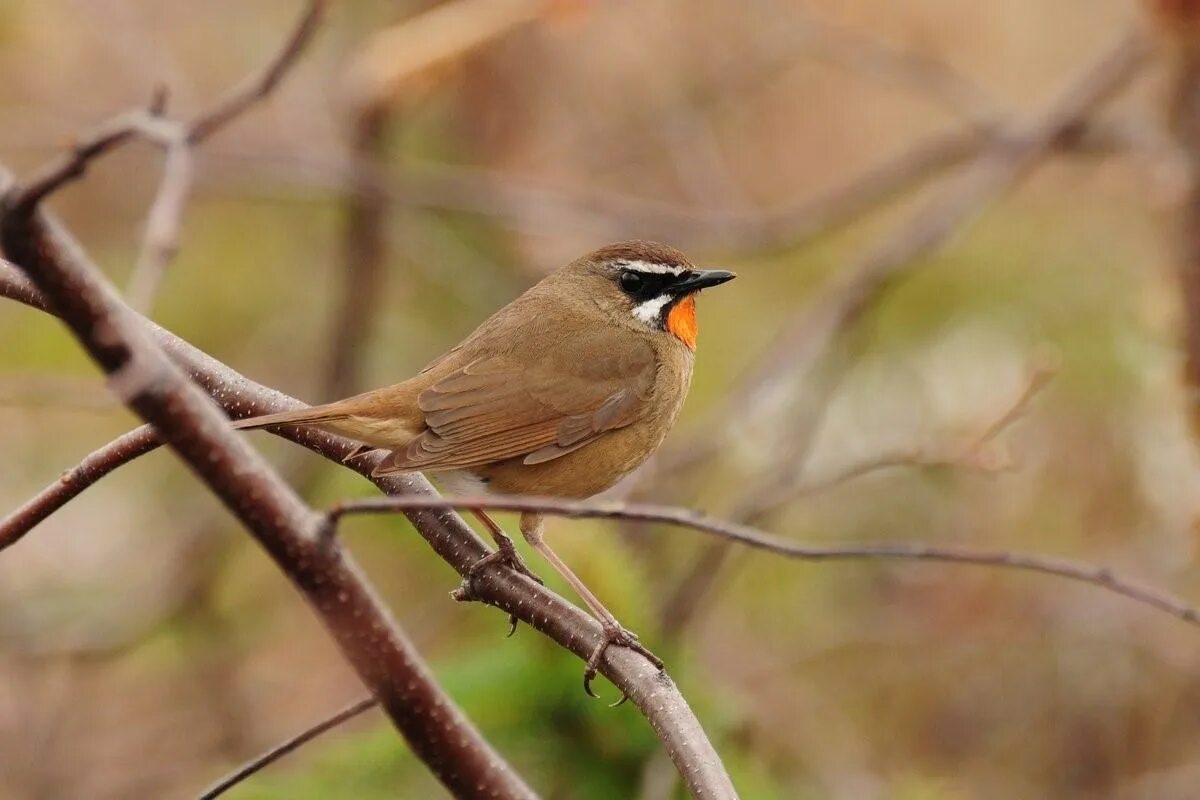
(653, 267)
(649, 311)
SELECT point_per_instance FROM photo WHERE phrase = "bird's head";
(647, 285)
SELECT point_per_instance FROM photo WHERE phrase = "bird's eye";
(631, 281)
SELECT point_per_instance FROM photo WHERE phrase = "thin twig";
(257, 87)
(964, 455)
(1093, 575)
(71, 483)
(144, 123)
(163, 224)
(261, 762)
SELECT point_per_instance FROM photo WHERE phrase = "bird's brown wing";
(501, 407)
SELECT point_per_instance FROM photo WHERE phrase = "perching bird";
(562, 392)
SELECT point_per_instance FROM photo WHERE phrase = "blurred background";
(415, 172)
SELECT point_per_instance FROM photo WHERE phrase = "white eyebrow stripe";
(653, 267)
(649, 311)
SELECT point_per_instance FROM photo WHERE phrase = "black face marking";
(642, 285)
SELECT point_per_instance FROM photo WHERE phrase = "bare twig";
(194, 427)
(256, 87)
(651, 691)
(163, 223)
(969, 454)
(1100, 577)
(261, 762)
(72, 165)
(120, 451)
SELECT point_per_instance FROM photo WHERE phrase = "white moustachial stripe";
(649, 311)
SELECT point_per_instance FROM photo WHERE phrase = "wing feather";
(494, 409)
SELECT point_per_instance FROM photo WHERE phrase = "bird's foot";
(506, 554)
(615, 634)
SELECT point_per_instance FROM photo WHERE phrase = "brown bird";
(562, 392)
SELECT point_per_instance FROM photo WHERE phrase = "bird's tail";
(315, 415)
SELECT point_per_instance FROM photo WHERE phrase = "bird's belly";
(462, 483)
(582, 473)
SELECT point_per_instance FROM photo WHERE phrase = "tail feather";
(304, 416)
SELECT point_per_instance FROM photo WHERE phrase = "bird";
(561, 393)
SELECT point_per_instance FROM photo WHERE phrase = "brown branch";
(257, 87)
(163, 223)
(72, 165)
(1093, 575)
(264, 760)
(652, 692)
(71, 483)
(193, 426)
(970, 454)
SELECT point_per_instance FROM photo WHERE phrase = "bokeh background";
(146, 644)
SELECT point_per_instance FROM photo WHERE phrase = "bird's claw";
(505, 554)
(621, 637)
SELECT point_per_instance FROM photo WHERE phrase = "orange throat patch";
(681, 321)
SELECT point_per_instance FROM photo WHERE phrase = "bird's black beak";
(702, 279)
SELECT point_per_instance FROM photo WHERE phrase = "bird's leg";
(614, 631)
(505, 553)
